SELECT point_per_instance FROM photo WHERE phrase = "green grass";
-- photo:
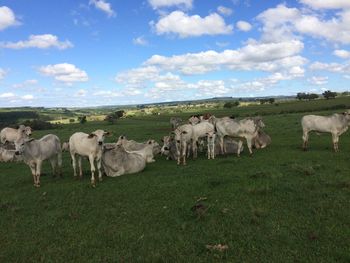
(281, 205)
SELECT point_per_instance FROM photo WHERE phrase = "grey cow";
(175, 122)
(117, 161)
(34, 152)
(335, 124)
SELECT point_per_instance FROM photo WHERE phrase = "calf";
(34, 152)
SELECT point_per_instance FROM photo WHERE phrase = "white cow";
(335, 124)
(262, 140)
(211, 136)
(200, 130)
(247, 128)
(183, 138)
(131, 145)
(175, 122)
(91, 146)
(117, 161)
(34, 152)
(169, 148)
(8, 155)
(11, 135)
(65, 147)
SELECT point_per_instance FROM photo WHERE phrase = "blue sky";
(111, 52)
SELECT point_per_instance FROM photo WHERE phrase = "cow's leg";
(38, 172)
(53, 163)
(183, 153)
(178, 153)
(80, 167)
(99, 169)
(74, 164)
(249, 144)
(221, 141)
(335, 139)
(194, 149)
(212, 145)
(59, 164)
(209, 151)
(239, 148)
(92, 167)
(32, 168)
(305, 139)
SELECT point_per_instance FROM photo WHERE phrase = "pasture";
(281, 205)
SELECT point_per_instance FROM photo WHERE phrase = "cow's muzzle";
(100, 143)
(16, 152)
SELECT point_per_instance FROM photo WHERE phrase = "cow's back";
(8, 134)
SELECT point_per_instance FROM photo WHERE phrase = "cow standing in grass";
(34, 152)
(247, 128)
(335, 124)
(91, 146)
(183, 138)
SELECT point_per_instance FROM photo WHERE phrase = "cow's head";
(166, 145)
(99, 135)
(121, 139)
(20, 145)
(211, 136)
(346, 115)
(28, 131)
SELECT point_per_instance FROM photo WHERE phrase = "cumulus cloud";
(282, 23)
(243, 26)
(135, 77)
(64, 72)
(327, 4)
(27, 97)
(342, 53)
(331, 67)
(141, 41)
(103, 6)
(224, 10)
(156, 4)
(38, 41)
(253, 56)
(29, 82)
(183, 25)
(318, 80)
(7, 18)
(7, 95)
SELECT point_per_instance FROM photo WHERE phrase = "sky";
(84, 53)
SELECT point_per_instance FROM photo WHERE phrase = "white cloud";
(167, 3)
(318, 80)
(243, 26)
(27, 97)
(140, 41)
(2, 73)
(224, 10)
(253, 56)
(184, 25)
(342, 53)
(327, 4)
(136, 77)
(65, 72)
(7, 95)
(282, 23)
(103, 6)
(331, 67)
(29, 82)
(7, 18)
(38, 41)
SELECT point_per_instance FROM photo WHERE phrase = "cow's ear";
(184, 132)
(149, 141)
(91, 135)
(161, 140)
(107, 133)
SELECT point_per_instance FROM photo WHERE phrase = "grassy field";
(281, 205)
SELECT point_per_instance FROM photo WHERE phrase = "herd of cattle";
(128, 156)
